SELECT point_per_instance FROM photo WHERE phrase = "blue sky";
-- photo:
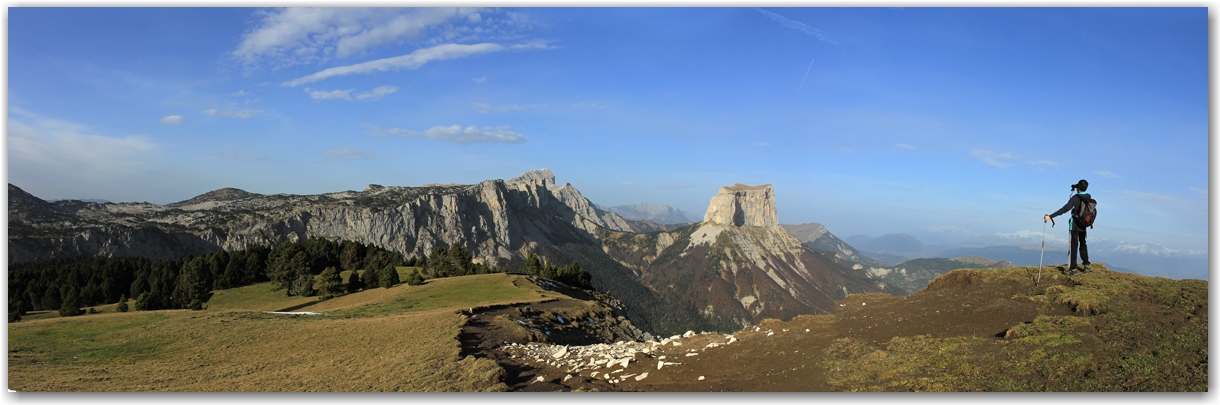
(946, 123)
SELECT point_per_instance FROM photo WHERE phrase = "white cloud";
(457, 134)
(329, 95)
(171, 120)
(291, 36)
(904, 146)
(1202, 191)
(997, 159)
(797, 25)
(348, 153)
(1046, 163)
(377, 93)
(69, 156)
(480, 80)
(347, 94)
(232, 112)
(239, 93)
(413, 60)
(1104, 173)
(761, 144)
(484, 108)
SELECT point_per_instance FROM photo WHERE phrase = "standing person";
(1076, 231)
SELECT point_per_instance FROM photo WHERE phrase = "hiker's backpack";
(1086, 211)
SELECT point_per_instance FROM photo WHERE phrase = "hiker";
(1077, 231)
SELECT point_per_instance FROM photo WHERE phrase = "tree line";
(311, 267)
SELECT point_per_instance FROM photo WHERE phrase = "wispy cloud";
(797, 25)
(291, 36)
(71, 154)
(239, 93)
(925, 189)
(997, 159)
(329, 95)
(761, 144)
(1202, 191)
(1104, 173)
(904, 146)
(232, 111)
(171, 120)
(484, 108)
(413, 60)
(457, 134)
(377, 93)
(1046, 163)
(1164, 205)
(480, 80)
(348, 153)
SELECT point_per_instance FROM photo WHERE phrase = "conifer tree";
(122, 306)
(142, 302)
(354, 283)
(71, 304)
(330, 283)
(389, 277)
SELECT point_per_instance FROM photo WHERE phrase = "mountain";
(819, 239)
(661, 214)
(735, 268)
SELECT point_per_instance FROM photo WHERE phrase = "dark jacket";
(1076, 200)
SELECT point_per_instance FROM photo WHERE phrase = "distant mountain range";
(1024, 249)
(661, 214)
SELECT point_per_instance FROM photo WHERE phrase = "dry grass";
(233, 346)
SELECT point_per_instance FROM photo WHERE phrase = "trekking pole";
(1039, 281)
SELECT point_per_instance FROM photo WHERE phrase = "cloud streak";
(997, 159)
(291, 36)
(457, 134)
(231, 111)
(799, 26)
(348, 153)
(413, 60)
(171, 120)
(69, 157)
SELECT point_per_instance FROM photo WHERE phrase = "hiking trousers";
(1078, 245)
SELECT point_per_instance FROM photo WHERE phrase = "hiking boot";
(1087, 268)
(1071, 271)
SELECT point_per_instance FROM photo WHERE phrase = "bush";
(415, 279)
(122, 306)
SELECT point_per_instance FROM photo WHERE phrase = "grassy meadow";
(398, 339)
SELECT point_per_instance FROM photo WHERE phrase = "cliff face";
(733, 270)
(742, 205)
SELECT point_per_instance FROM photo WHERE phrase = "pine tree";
(71, 304)
(414, 278)
(330, 283)
(122, 306)
(307, 286)
(354, 283)
(389, 277)
(142, 302)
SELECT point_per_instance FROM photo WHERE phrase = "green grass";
(466, 291)
(87, 340)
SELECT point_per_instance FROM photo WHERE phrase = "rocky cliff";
(735, 269)
(742, 205)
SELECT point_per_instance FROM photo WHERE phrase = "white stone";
(563, 351)
(700, 378)
(567, 377)
(660, 364)
(539, 379)
(692, 354)
(641, 376)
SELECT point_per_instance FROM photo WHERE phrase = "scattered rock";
(641, 376)
(700, 378)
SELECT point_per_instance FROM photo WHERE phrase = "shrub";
(122, 306)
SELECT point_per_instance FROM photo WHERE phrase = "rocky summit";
(742, 205)
(735, 268)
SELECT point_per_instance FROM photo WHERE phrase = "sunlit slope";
(398, 339)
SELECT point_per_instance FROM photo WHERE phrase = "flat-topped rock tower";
(742, 205)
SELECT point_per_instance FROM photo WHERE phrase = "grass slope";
(1121, 332)
(398, 339)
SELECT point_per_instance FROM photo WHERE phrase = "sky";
(945, 123)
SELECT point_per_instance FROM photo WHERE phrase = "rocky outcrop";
(742, 205)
